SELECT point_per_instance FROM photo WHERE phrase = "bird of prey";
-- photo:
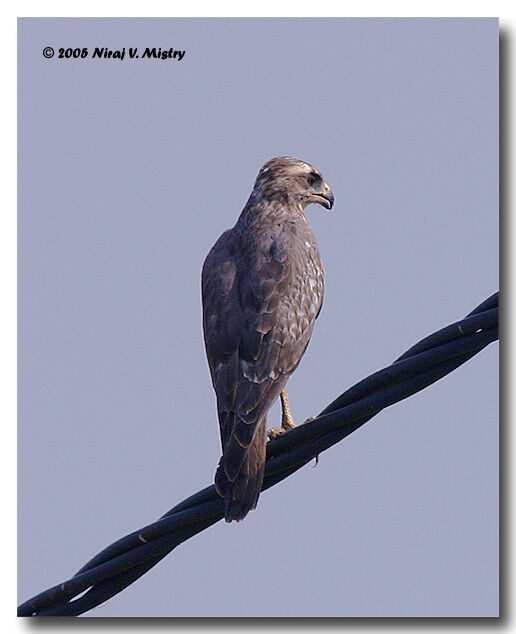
(262, 289)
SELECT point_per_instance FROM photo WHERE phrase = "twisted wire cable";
(127, 559)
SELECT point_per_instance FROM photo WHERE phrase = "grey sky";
(129, 171)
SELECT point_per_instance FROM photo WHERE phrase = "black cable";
(124, 561)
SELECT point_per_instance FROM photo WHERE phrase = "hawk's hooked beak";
(329, 198)
(326, 199)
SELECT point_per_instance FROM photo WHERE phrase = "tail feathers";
(241, 494)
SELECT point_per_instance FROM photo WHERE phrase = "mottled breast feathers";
(260, 302)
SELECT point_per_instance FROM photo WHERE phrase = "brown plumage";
(262, 289)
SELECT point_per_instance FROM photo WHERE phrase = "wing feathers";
(259, 307)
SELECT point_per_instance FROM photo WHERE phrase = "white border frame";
(158, 8)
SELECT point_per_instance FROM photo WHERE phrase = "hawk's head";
(293, 180)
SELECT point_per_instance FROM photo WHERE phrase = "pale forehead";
(301, 166)
(291, 166)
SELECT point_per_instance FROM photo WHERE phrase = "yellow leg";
(287, 420)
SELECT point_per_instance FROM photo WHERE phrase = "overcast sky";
(129, 171)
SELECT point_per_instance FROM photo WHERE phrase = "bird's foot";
(276, 432)
(286, 425)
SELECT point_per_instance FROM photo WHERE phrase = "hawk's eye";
(314, 179)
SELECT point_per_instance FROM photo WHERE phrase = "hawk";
(262, 289)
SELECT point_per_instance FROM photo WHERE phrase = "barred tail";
(240, 487)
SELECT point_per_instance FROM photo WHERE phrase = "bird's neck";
(270, 210)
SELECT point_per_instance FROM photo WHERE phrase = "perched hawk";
(262, 289)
